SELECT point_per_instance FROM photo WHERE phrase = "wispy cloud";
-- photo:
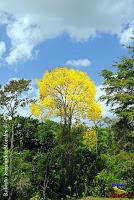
(78, 63)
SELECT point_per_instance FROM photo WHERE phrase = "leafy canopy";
(119, 86)
(10, 96)
(66, 93)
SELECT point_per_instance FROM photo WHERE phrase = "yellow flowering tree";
(68, 94)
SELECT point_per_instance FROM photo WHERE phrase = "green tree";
(11, 100)
(119, 88)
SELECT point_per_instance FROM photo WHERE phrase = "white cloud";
(78, 63)
(24, 36)
(126, 34)
(2, 48)
(31, 22)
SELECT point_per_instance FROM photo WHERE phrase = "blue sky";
(102, 51)
(87, 35)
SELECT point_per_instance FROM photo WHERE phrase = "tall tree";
(10, 101)
(70, 95)
(119, 88)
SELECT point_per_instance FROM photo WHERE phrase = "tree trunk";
(67, 159)
(45, 183)
(10, 194)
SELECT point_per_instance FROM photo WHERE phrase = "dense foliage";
(47, 165)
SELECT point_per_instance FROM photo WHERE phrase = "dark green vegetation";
(38, 155)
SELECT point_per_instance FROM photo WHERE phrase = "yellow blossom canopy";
(67, 93)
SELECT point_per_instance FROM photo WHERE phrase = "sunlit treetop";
(66, 93)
